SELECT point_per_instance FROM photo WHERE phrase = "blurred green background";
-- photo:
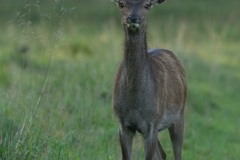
(58, 59)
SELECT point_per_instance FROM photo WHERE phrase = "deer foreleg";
(126, 138)
(151, 142)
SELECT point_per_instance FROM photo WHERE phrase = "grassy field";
(57, 65)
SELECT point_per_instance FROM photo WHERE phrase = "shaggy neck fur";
(135, 57)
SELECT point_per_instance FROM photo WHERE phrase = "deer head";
(134, 12)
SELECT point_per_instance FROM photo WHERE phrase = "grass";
(57, 75)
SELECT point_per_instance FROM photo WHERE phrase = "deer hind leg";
(176, 134)
(160, 154)
(126, 138)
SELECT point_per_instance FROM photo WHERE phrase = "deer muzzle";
(133, 22)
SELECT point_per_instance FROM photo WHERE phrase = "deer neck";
(135, 57)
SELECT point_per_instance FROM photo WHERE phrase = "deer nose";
(133, 19)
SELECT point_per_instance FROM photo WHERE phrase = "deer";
(150, 87)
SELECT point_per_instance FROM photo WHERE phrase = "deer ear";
(157, 1)
(160, 1)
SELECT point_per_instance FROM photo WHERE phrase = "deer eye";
(148, 6)
(120, 5)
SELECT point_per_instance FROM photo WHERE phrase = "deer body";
(149, 91)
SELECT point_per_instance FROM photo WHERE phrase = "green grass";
(56, 77)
